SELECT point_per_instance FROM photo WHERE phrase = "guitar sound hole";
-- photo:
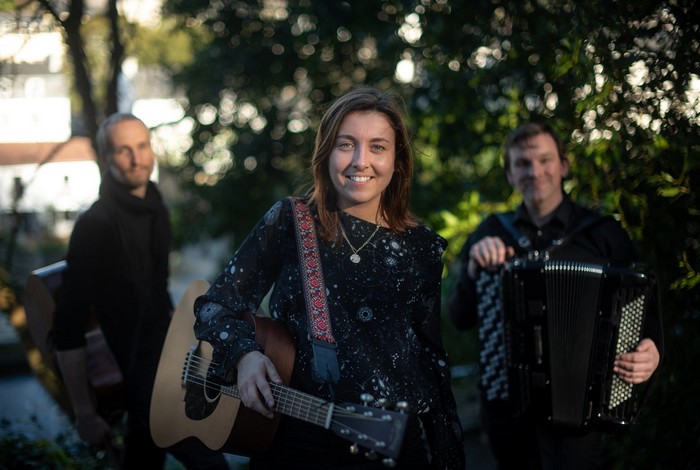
(198, 404)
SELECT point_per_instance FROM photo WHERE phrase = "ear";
(509, 177)
(565, 167)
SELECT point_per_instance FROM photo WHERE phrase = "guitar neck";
(377, 429)
(294, 403)
(288, 401)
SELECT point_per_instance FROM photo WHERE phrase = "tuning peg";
(366, 398)
(384, 403)
(391, 463)
(402, 406)
(371, 455)
(354, 449)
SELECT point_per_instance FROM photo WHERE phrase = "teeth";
(359, 179)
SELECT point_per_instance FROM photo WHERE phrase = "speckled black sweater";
(384, 310)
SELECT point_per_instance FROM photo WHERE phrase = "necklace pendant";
(355, 258)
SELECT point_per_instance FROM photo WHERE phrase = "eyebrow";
(519, 156)
(373, 139)
(137, 144)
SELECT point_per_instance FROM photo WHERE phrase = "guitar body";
(186, 405)
(180, 410)
(253, 433)
(41, 292)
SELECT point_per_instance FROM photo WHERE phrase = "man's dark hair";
(519, 137)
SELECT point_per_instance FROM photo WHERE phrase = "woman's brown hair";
(395, 200)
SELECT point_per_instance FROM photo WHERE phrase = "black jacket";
(117, 267)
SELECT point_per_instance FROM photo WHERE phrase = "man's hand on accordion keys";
(638, 366)
(488, 253)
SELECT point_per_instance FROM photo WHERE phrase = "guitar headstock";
(377, 429)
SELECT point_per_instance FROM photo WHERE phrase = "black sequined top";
(384, 311)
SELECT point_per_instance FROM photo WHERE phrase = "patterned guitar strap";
(321, 336)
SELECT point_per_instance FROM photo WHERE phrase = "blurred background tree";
(256, 88)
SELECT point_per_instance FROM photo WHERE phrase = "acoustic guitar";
(186, 404)
(106, 381)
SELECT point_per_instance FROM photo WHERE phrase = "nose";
(135, 157)
(534, 169)
(359, 158)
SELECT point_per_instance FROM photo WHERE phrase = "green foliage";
(167, 46)
(7, 5)
(19, 451)
(634, 145)
(256, 91)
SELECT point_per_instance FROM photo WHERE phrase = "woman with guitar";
(355, 281)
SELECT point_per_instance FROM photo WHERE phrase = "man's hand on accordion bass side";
(488, 253)
(638, 366)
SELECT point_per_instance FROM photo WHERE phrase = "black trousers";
(519, 442)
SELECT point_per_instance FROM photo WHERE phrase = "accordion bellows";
(562, 324)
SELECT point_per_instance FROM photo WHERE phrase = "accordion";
(562, 324)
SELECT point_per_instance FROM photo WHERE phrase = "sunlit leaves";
(257, 89)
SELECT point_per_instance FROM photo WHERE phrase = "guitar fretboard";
(295, 403)
(288, 401)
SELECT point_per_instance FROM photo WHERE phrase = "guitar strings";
(200, 380)
(203, 364)
(310, 402)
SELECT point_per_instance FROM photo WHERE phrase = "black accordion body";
(562, 324)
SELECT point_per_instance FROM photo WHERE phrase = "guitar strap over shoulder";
(321, 335)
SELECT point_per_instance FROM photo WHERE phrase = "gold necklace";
(354, 257)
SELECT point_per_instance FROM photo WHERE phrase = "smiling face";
(361, 162)
(132, 160)
(536, 170)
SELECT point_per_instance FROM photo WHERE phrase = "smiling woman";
(376, 302)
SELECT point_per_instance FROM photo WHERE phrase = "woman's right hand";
(255, 370)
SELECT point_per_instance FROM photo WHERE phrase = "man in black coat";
(546, 225)
(117, 267)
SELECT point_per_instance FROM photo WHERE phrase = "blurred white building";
(56, 171)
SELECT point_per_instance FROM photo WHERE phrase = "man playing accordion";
(547, 226)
